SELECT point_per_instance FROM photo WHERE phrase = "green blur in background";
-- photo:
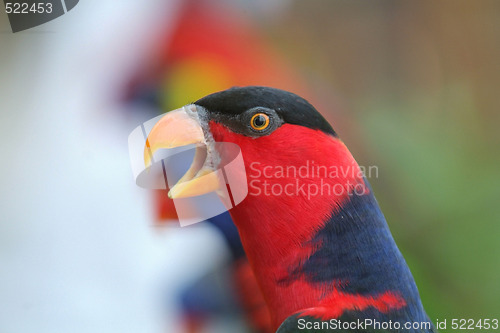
(417, 89)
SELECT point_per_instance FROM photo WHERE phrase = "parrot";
(315, 237)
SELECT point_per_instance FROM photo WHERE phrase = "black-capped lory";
(315, 237)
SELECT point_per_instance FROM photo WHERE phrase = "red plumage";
(293, 219)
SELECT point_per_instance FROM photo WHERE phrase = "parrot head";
(277, 131)
(297, 169)
(312, 230)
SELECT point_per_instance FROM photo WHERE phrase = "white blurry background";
(77, 249)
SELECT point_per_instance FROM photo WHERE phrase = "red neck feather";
(275, 228)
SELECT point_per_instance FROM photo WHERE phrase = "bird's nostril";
(191, 108)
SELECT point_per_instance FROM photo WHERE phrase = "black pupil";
(259, 121)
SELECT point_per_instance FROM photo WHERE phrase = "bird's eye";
(259, 121)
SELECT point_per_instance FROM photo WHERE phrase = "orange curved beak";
(179, 128)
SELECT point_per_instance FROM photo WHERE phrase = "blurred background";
(410, 86)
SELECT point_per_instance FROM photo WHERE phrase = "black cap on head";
(291, 108)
